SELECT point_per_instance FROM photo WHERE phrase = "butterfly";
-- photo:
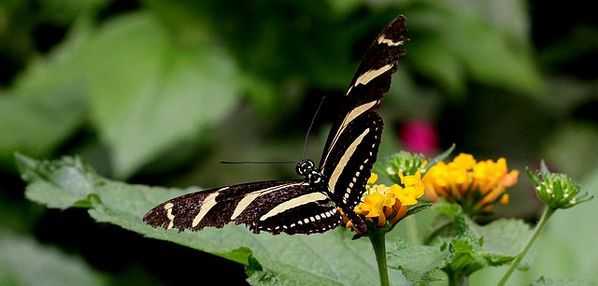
(316, 203)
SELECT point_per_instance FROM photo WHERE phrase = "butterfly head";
(307, 168)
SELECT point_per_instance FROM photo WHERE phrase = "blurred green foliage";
(157, 92)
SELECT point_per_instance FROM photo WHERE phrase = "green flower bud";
(557, 190)
(404, 163)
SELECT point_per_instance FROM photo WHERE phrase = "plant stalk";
(378, 240)
(412, 230)
(548, 211)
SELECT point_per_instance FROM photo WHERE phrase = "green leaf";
(511, 17)
(418, 263)
(437, 64)
(503, 239)
(474, 247)
(148, 92)
(473, 46)
(37, 125)
(24, 262)
(32, 113)
(573, 148)
(561, 282)
(465, 256)
(327, 259)
(69, 187)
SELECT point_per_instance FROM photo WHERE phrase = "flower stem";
(412, 230)
(377, 238)
(548, 211)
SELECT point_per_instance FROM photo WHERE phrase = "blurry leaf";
(147, 93)
(572, 149)
(438, 64)
(341, 8)
(561, 282)
(32, 115)
(484, 52)
(24, 262)
(37, 125)
(510, 16)
(418, 263)
(492, 60)
(328, 259)
(66, 11)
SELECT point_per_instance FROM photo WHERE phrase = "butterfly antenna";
(257, 162)
(313, 119)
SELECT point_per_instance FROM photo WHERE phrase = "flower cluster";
(386, 205)
(476, 186)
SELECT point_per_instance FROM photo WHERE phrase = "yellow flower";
(474, 185)
(384, 205)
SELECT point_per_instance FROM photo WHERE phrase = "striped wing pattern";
(289, 206)
(352, 145)
(305, 206)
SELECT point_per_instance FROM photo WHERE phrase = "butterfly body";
(312, 204)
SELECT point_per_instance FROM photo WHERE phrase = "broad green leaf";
(572, 148)
(490, 59)
(32, 113)
(418, 263)
(474, 247)
(327, 259)
(438, 64)
(482, 50)
(542, 281)
(64, 178)
(24, 262)
(37, 125)
(511, 17)
(503, 239)
(149, 92)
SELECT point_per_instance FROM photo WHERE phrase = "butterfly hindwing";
(290, 206)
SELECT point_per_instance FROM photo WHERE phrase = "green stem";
(412, 230)
(455, 279)
(548, 211)
(379, 243)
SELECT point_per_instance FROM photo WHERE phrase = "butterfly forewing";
(349, 164)
(290, 206)
(373, 77)
(352, 145)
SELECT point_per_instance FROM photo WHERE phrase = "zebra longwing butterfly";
(312, 204)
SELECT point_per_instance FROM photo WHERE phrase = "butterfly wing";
(289, 206)
(352, 144)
